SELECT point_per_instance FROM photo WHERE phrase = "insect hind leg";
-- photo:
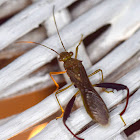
(117, 87)
(67, 114)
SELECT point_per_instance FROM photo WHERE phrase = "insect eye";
(71, 53)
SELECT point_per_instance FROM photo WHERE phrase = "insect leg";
(99, 70)
(76, 52)
(67, 114)
(57, 87)
(56, 73)
(57, 92)
(117, 87)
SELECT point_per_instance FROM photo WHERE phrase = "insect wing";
(95, 106)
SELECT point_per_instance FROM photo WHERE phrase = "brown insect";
(93, 103)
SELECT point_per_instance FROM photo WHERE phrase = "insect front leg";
(76, 52)
(58, 91)
(117, 87)
(67, 114)
(58, 100)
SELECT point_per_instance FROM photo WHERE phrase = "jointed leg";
(103, 89)
(99, 70)
(67, 114)
(58, 100)
(56, 73)
(117, 87)
(58, 91)
(76, 52)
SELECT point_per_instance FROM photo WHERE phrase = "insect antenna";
(57, 29)
(38, 44)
